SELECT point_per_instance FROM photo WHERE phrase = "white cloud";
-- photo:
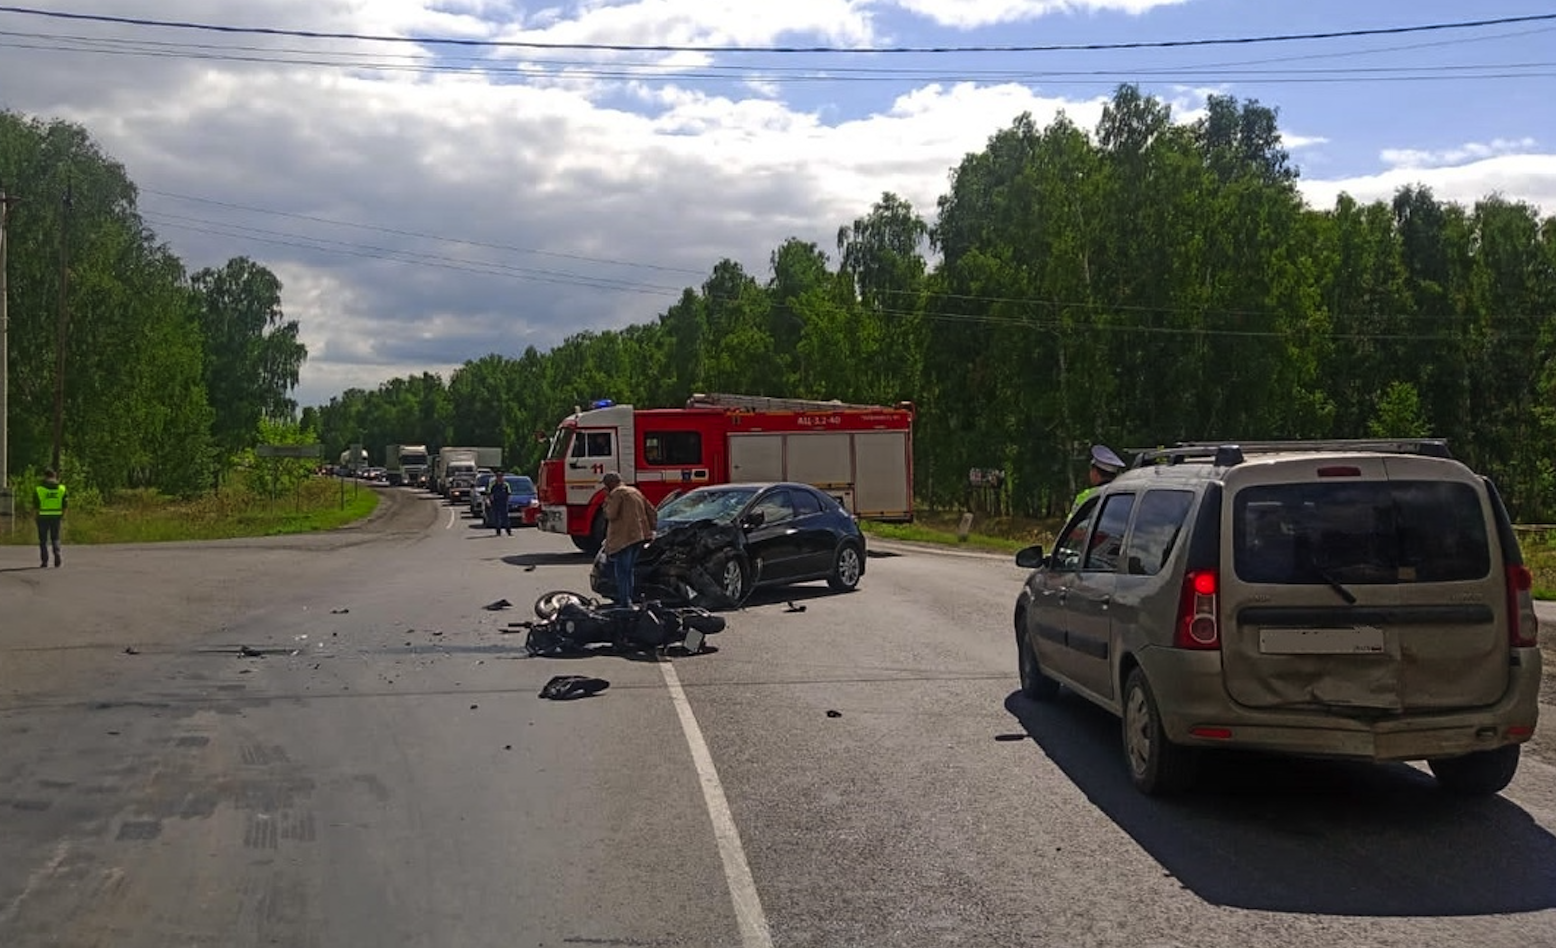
(1530, 178)
(1294, 142)
(971, 14)
(1469, 151)
(562, 206)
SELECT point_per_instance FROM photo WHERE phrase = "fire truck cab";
(860, 454)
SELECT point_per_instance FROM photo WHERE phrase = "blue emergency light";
(601, 403)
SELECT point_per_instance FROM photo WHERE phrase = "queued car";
(523, 502)
(478, 494)
(725, 541)
(1358, 600)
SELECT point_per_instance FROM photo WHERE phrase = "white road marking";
(742, 889)
(450, 523)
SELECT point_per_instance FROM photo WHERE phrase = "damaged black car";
(716, 545)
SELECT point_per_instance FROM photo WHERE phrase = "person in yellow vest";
(1105, 465)
(51, 510)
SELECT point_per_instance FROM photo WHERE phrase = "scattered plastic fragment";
(834, 714)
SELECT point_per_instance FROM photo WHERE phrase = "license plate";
(1359, 640)
(693, 641)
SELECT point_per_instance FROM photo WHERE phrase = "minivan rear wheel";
(1479, 774)
(1157, 766)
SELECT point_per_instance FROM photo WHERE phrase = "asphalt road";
(384, 774)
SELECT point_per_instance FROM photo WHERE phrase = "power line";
(390, 255)
(687, 48)
(776, 75)
(419, 235)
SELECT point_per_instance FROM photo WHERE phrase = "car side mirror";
(1031, 558)
(754, 519)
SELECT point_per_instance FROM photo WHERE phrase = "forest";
(168, 376)
(1136, 284)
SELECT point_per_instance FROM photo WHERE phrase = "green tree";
(253, 355)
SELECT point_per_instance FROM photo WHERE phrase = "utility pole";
(7, 502)
(59, 345)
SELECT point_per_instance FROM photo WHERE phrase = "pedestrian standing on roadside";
(629, 524)
(497, 494)
(51, 510)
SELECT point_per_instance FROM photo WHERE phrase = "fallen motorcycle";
(569, 623)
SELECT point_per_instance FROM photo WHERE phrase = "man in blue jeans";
(497, 494)
(629, 524)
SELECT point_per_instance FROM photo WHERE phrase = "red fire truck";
(860, 454)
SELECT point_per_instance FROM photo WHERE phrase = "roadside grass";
(1539, 548)
(147, 517)
(989, 533)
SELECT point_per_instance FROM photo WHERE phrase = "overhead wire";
(419, 235)
(189, 25)
(1032, 322)
(639, 71)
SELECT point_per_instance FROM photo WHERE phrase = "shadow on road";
(547, 559)
(1325, 837)
(782, 595)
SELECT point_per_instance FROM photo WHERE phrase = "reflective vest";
(51, 500)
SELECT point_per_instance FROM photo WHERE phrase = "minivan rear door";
(1367, 582)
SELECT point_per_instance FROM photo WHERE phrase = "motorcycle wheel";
(549, 604)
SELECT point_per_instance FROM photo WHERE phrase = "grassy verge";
(144, 517)
(988, 534)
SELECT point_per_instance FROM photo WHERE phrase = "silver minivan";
(1352, 599)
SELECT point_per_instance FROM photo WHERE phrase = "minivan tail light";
(1523, 627)
(1198, 627)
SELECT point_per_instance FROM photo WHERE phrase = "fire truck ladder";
(764, 403)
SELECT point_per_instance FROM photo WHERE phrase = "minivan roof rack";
(1230, 453)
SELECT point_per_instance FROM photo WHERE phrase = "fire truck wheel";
(591, 544)
(846, 569)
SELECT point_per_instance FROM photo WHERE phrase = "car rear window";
(1360, 532)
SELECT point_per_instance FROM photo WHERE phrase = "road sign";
(289, 450)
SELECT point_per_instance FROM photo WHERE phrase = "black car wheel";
(1479, 774)
(733, 578)
(847, 567)
(1035, 685)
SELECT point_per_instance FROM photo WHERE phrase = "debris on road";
(339, 612)
(131, 650)
(794, 608)
(568, 687)
(497, 606)
(246, 652)
(834, 714)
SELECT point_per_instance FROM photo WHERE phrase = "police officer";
(1105, 465)
(51, 510)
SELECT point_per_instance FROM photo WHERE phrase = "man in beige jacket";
(629, 524)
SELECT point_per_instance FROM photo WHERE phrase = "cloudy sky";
(427, 203)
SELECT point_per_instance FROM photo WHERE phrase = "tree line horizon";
(1140, 284)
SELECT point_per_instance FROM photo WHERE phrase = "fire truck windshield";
(559, 444)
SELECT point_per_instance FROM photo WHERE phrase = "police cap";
(1105, 460)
